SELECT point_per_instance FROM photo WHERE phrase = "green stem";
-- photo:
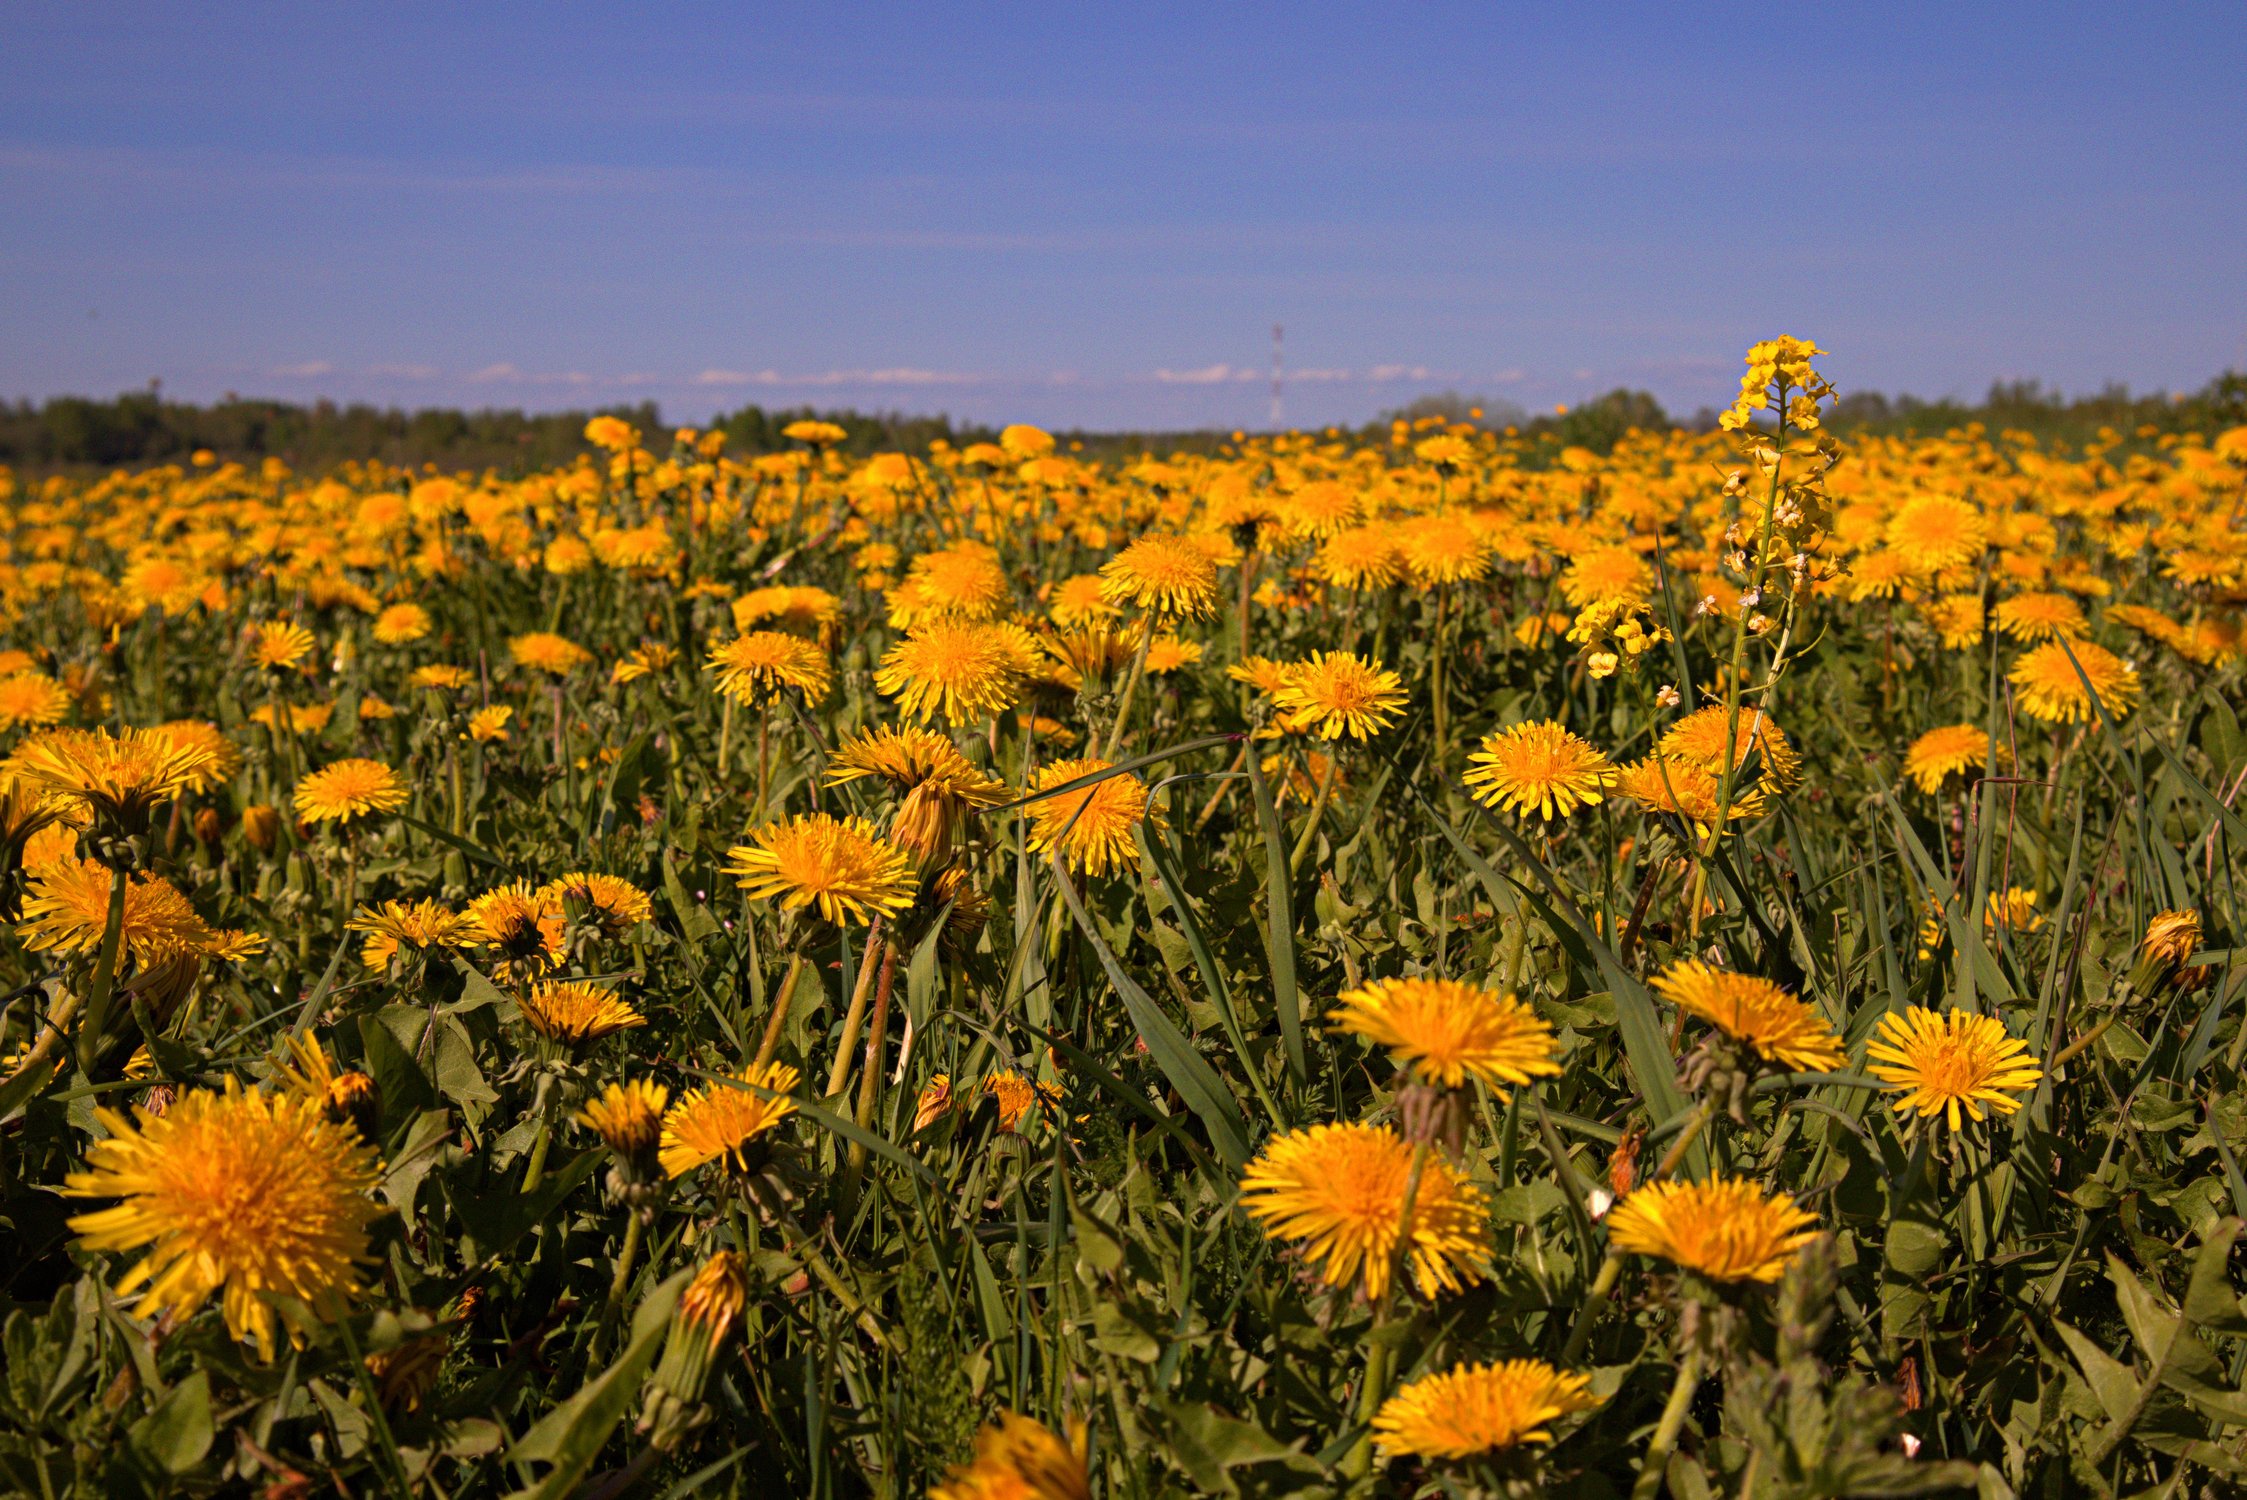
(1318, 810)
(1611, 1268)
(1359, 1463)
(619, 1284)
(1655, 1465)
(104, 982)
(1131, 687)
(780, 1007)
(861, 994)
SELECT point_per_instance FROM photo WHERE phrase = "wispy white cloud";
(310, 369)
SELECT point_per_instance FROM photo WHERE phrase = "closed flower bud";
(261, 825)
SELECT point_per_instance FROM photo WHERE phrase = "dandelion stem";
(780, 1007)
(104, 982)
(1611, 1267)
(1318, 813)
(1131, 688)
(1655, 1465)
(861, 994)
(620, 1283)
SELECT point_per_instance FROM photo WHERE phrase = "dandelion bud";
(261, 825)
(712, 1303)
(2171, 940)
(934, 1103)
(208, 825)
(356, 1099)
(628, 1117)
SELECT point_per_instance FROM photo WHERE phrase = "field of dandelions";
(1424, 963)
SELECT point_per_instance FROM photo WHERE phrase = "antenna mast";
(1277, 370)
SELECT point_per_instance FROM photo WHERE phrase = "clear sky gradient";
(1093, 215)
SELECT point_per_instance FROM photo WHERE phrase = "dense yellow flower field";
(1427, 963)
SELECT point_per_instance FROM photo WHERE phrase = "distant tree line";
(142, 427)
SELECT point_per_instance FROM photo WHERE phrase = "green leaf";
(571, 1436)
(177, 1433)
(1279, 922)
(493, 1218)
(1188, 1071)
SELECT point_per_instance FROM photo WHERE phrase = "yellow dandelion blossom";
(963, 581)
(117, 777)
(1685, 789)
(939, 784)
(628, 1117)
(1724, 1229)
(1092, 828)
(1019, 1459)
(1446, 1031)
(259, 1198)
(1163, 575)
(349, 789)
(32, 700)
(407, 924)
(759, 666)
(725, 1122)
(544, 651)
(523, 926)
(799, 608)
(2041, 617)
(575, 1014)
(225, 757)
(1262, 673)
(616, 904)
(280, 645)
(1952, 750)
(1753, 1010)
(964, 671)
(1363, 557)
(1168, 653)
(1947, 1062)
(66, 910)
(1933, 533)
(2048, 687)
(1539, 768)
(1337, 693)
(489, 725)
(1018, 1098)
(2172, 937)
(1442, 549)
(1606, 573)
(1321, 510)
(1700, 735)
(401, 625)
(839, 866)
(1471, 1409)
(1339, 1189)
(1956, 618)
(441, 677)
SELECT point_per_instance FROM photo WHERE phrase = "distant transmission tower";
(1278, 370)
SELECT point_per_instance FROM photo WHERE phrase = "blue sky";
(1093, 216)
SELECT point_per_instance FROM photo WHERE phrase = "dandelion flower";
(1337, 693)
(401, 625)
(2041, 617)
(758, 667)
(280, 645)
(1445, 1030)
(1019, 1459)
(1934, 533)
(963, 581)
(1363, 557)
(1724, 1229)
(1163, 575)
(1017, 1098)
(723, 1121)
(1685, 789)
(574, 1014)
(799, 608)
(119, 778)
(1442, 549)
(1263, 673)
(32, 700)
(544, 651)
(1952, 750)
(1942, 1063)
(1699, 737)
(401, 924)
(617, 904)
(523, 926)
(1751, 1009)
(66, 910)
(1339, 1189)
(1471, 1409)
(259, 1198)
(2048, 687)
(1539, 768)
(964, 670)
(939, 784)
(628, 1117)
(349, 789)
(1090, 828)
(841, 866)
(441, 677)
